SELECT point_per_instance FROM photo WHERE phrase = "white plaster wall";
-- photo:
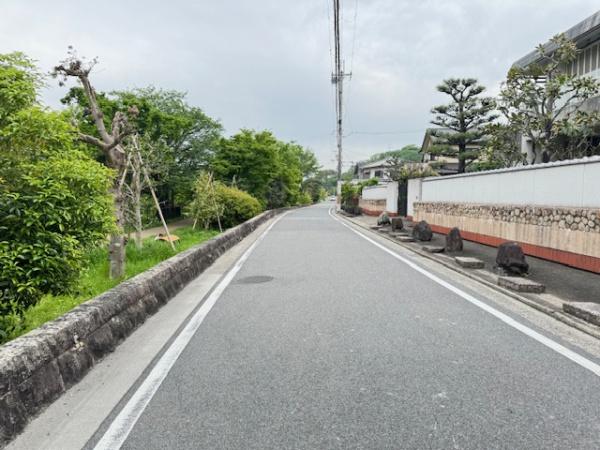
(387, 192)
(392, 197)
(573, 183)
(413, 194)
(378, 192)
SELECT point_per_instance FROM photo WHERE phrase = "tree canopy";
(463, 121)
(542, 102)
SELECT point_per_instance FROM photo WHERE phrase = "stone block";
(588, 311)
(384, 219)
(433, 248)
(422, 231)
(405, 239)
(454, 242)
(397, 224)
(511, 258)
(519, 284)
(469, 263)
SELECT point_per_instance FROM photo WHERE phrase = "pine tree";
(463, 120)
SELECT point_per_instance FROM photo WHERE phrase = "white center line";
(119, 429)
(564, 351)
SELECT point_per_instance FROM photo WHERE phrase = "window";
(378, 173)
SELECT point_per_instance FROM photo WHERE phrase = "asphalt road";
(323, 340)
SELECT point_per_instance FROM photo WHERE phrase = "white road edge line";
(573, 356)
(119, 429)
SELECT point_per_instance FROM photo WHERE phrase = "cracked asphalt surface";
(324, 341)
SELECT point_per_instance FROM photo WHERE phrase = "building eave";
(582, 34)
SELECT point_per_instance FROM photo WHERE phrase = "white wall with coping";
(387, 192)
(378, 192)
(414, 194)
(573, 183)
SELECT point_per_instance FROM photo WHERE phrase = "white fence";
(574, 183)
(387, 192)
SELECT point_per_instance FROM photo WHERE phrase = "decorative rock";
(454, 242)
(433, 248)
(521, 285)
(588, 311)
(511, 258)
(469, 263)
(383, 219)
(422, 231)
(397, 224)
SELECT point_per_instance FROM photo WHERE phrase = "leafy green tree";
(188, 134)
(19, 83)
(313, 187)
(462, 121)
(502, 149)
(258, 163)
(248, 160)
(542, 101)
(309, 164)
(54, 202)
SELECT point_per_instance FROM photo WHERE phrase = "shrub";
(238, 206)
(305, 199)
(50, 214)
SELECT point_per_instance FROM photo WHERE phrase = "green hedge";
(238, 205)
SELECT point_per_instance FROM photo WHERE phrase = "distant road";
(323, 340)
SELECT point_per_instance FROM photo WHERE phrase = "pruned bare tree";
(109, 142)
(144, 162)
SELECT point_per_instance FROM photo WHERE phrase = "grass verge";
(94, 278)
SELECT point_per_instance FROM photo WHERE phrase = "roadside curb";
(572, 321)
(38, 367)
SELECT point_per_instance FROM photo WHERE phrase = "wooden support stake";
(156, 203)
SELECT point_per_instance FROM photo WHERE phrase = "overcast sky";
(266, 64)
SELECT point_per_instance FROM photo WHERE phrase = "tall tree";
(463, 120)
(542, 101)
(109, 141)
(188, 134)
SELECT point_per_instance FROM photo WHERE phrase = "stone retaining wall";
(567, 235)
(35, 369)
(372, 207)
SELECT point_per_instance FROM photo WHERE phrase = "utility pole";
(337, 78)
